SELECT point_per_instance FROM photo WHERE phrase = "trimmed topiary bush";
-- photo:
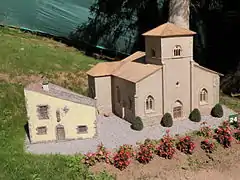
(167, 120)
(217, 111)
(137, 124)
(195, 115)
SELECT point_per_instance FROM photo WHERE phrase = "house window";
(177, 110)
(153, 53)
(177, 50)
(149, 103)
(82, 129)
(43, 112)
(203, 96)
(118, 94)
(41, 130)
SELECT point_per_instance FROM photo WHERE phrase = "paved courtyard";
(113, 132)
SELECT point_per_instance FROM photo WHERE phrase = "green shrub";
(167, 120)
(217, 111)
(195, 115)
(137, 124)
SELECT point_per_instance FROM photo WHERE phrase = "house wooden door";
(60, 133)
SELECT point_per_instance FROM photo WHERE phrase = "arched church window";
(203, 96)
(177, 50)
(149, 103)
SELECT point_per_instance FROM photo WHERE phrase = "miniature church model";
(164, 79)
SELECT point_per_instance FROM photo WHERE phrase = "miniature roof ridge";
(126, 69)
(169, 29)
(107, 68)
(135, 71)
(60, 92)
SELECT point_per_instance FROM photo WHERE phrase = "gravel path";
(113, 132)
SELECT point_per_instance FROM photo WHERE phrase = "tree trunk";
(179, 12)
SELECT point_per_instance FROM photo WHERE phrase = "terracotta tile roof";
(61, 93)
(107, 68)
(168, 29)
(134, 56)
(126, 68)
(103, 69)
(134, 71)
(206, 69)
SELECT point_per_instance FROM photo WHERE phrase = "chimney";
(45, 85)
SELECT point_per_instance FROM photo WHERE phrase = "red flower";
(186, 145)
(122, 157)
(224, 134)
(145, 153)
(207, 146)
(166, 147)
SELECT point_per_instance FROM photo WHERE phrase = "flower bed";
(207, 146)
(186, 145)
(102, 155)
(166, 147)
(224, 134)
(145, 153)
(205, 130)
(123, 156)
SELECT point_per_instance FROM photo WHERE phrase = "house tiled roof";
(103, 69)
(168, 29)
(61, 93)
(134, 56)
(134, 71)
(125, 69)
(107, 68)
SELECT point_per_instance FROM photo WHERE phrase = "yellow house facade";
(56, 114)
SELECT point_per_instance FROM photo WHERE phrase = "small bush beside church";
(195, 115)
(167, 120)
(137, 124)
(217, 111)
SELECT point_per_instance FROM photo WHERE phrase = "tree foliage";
(111, 20)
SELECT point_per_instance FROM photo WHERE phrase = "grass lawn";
(231, 102)
(22, 55)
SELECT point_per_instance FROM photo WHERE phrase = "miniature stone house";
(56, 114)
(163, 79)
